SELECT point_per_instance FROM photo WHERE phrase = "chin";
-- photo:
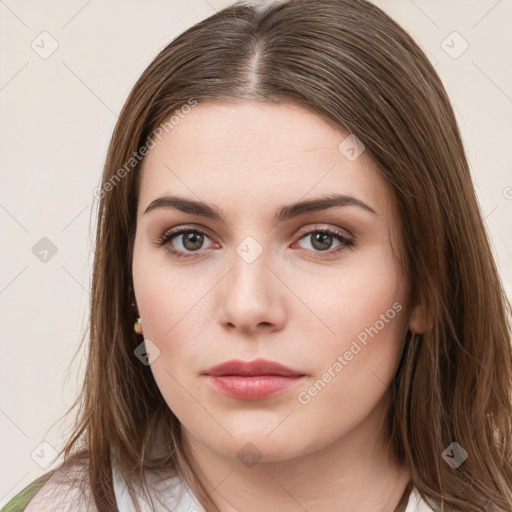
(252, 445)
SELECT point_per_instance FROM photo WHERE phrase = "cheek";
(353, 298)
(168, 296)
(174, 318)
(362, 312)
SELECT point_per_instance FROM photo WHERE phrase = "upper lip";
(250, 368)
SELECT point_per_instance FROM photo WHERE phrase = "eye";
(322, 240)
(186, 241)
(189, 240)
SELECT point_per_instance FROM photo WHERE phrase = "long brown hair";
(353, 65)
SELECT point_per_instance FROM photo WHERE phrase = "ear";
(417, 320)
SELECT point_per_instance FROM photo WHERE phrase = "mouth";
(254, 380)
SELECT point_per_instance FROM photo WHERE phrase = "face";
(317, 290)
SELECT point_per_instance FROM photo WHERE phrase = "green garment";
(21, 500)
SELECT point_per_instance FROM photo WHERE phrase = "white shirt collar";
(416, 503)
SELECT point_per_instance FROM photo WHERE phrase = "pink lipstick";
(252, 380)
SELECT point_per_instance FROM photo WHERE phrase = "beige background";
(57, 115)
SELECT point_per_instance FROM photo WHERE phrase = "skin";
(294, 304)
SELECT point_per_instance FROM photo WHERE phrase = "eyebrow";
(283, 213)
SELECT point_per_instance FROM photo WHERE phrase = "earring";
(137, 326)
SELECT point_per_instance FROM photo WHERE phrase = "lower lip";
(256, 387)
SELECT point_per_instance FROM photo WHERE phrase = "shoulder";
(21, 500)
(55, 491)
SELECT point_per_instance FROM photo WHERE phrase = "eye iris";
(324, 240)
(192, 241)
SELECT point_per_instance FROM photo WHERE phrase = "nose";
(252, 297)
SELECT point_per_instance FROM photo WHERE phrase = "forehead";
(246, 151)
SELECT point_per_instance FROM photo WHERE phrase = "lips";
(252, 368)
(254, 380)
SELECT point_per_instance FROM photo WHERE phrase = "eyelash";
(346, 242)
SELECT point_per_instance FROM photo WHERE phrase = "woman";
(287, 212)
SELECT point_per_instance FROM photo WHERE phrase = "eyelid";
(325, 227)
(302, 231)
(177, 230)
